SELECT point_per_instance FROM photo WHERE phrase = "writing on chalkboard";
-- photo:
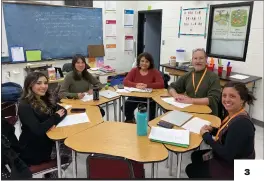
(57, 31)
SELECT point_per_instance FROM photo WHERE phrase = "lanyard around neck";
(196, 89)
(225, 122)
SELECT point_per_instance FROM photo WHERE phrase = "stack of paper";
(87, 97)
(133, 89)
(122, 91)
(74, 119)
(195, 125)
(174, 137)
(177, 118)
(172, 101)
(108, 94)
(238, 76)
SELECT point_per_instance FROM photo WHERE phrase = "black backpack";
(11, 92)
(10, 154)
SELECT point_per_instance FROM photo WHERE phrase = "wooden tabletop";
(95, 118)
(117, 139)
(192, 108)
(195, 139)
(154, 92)
(251, 78)
(102, 100)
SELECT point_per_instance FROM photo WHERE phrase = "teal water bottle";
(142, 122)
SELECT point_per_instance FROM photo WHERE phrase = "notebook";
(174, 137)
(87, 97)
(195, 125)
(177, 118)
(172, 101)
(108, 94)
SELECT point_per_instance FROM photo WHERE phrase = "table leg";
(74, 169)
(157, 170)
(119, 100)
(115, 116)
(162, 69)
(148, 108)
(124, 109)
(178, 174)
(160, 111)
(167, 162)
(107, 111)
(156, 112)
(152, 170)
(58, 158)
(171, 163)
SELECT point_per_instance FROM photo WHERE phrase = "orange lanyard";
(196, 89)
(225, 122)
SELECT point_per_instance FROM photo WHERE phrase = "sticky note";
(33, 55)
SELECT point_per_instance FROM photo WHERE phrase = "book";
(108, 94)
(177, 118)
(176, 137)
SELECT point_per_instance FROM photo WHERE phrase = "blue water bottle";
(142, 122)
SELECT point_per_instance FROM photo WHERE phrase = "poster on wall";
(129, 43)
(110, 6)
(128, 18)
(110, 52)
(110, 28)
(193, 21)
(230, 23)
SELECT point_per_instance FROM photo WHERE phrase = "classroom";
(131, 89)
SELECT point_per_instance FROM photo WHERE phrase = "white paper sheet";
(133, 89)
(110, 51)
(170, 135)
(17, 54)
(122, 91)
(108, 94)
(87, 97)
(110, 28)
(74, 119)
(172, 101)
(67, 106)
(195, 124)
(238, 76)
(128, 17)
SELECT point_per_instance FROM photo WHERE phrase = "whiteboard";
(226, 47)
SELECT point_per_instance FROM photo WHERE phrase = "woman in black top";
(233, 140)
(38, 112)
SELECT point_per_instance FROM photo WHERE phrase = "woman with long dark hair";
(233, 140)
(79, 81)
(38, 112)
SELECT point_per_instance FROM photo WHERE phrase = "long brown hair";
(84, 74)
(44, 103)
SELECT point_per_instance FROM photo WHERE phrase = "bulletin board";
(228, 30)
(193, 21)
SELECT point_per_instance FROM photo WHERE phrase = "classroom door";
(149, 34)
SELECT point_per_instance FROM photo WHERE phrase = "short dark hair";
(243, 91)
(147, 56)
(85, 74)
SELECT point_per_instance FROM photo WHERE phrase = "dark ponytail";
(243, 91)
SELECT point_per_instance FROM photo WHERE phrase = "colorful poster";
(110, 52)
(99, 62)
(193, 21)
(129, 18)
(110, 28)
(129, 43)
(238, 23)
(221, 23)
(92, 62)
